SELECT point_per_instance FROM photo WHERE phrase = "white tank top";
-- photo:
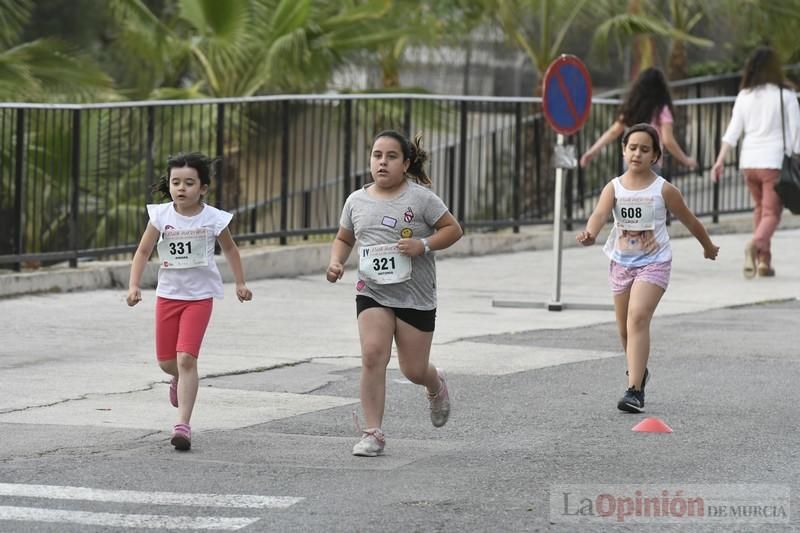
(639, 236)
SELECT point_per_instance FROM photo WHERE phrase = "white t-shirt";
(197, 282)
(757, 114)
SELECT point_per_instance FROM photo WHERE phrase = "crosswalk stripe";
(240, 501)
(148, 521)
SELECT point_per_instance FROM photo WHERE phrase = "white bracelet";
(426, 245)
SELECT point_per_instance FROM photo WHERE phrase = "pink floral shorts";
(621, 278)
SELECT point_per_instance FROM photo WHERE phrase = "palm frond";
(14, 14)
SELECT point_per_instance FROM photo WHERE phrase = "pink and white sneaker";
(182, 437)
(371, 444)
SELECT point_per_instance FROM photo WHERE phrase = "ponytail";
(418, 159)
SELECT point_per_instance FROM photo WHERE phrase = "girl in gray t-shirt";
(398, 221)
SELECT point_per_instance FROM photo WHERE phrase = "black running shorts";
(422, 320)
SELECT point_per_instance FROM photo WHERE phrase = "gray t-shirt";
(411, 214)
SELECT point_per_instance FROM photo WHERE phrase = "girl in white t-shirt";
(639, 250)
(398, 222)
(185, 231)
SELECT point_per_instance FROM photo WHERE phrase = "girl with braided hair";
(398, 222)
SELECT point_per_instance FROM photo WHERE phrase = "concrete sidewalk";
(58, 348)
(266, 262)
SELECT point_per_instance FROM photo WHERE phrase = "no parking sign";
(566, 102)
(567, 96)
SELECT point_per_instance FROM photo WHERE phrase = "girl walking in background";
(764, 100)
(398, 222)
(647, 101)
(186, 230)
(639, 249)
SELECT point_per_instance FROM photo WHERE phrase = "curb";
(305, 259)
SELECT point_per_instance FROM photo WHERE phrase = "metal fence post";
(347, 161)
(19, 184)
(517, 182)
(407, 117)
(717, 141)
(150, 148)
(284, 171)
(462, 165)
(220, 153)
(451, 176)
(75, 174)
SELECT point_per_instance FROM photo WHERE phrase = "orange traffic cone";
(652, 425)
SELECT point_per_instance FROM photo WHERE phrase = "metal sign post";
(566, 102)
(558, 204)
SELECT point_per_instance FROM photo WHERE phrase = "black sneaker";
(644, 382)
(632, 401)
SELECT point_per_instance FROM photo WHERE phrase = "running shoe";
(644, 381)
(182, 437)
(632, 401)
(371, 444)
(439, 403)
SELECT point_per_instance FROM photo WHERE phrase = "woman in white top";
(757, 114)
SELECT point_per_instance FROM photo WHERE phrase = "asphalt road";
(724, 380)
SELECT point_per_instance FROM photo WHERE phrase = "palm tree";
(241, 48)
(764, 22)
(639, 23)
(43, 70)
(427, 24)
(537, 27)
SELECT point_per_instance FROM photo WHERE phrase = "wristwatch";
(426, 245)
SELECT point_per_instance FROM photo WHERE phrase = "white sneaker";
(440, 402)
(371, 444)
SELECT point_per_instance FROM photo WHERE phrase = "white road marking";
(35, 514)
(240, 501)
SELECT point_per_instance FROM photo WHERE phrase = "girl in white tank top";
(639, 249)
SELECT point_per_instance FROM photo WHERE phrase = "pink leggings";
(767, 210)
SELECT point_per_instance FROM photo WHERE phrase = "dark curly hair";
(204, 165)
(412, 151)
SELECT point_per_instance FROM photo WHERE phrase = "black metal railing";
(74, 179)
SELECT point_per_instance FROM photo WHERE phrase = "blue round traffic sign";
(567, 96)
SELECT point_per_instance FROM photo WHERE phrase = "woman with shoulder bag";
(757, 113)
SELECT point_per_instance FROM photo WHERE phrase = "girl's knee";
(186, 361)
(415, 373)
(373, 357)
(170, 366)
(638, 321)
